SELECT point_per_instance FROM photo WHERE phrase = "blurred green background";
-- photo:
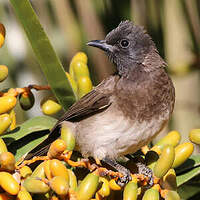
(173, 24)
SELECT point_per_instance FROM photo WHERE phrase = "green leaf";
(188, 170)
(22, 146)
(35, 124)
(28, 135)
(187, 191)
(183, 178)
(192, 162)
(46, 56)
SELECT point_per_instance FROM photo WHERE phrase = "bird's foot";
(124, 175)
(146, 171)
(141, 171)
(123, 180)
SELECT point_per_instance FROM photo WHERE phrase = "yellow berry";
(84, 86)
(182, 153)
(151, 194)
(5, 122)
(24, 195)
(194, 136)
(39, 171)
(80, 56)
(50, 107)
(172, 138)
(72, 180)
(56, 148)
(88, 187)
(165, 161)
(47, 169)
(3, 147)
(59, 185)
(130, 191)
(33, 185)
(68, 137)
(7, 103)
(72, 82)
(104, 191)
(2, 34)
(3, 71)
(8, 183)
(79, 69)
(113, 185)
(7, 161)
(25, 171)
(57, 168)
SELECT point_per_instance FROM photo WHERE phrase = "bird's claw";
(146, 171)
(123, 180)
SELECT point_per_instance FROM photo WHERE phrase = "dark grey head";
(126, 44)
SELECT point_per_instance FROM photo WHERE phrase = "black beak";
(101, 44)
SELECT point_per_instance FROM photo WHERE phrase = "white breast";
(106, 134)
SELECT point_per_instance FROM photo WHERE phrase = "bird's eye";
(124, 43)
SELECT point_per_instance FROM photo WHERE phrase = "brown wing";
(91, 103)
(95, 101)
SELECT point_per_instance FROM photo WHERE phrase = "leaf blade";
(181, 179)
(32, 125)
(46, 56)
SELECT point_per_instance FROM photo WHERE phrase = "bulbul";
(127, 109)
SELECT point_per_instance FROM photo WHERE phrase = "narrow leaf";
(22, 146)
(44, 52)
(187, 191)
(181, 179)
(35, 124)
(192, 162)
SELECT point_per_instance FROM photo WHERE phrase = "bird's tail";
(43, 147)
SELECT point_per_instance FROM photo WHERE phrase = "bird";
(128, 108)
